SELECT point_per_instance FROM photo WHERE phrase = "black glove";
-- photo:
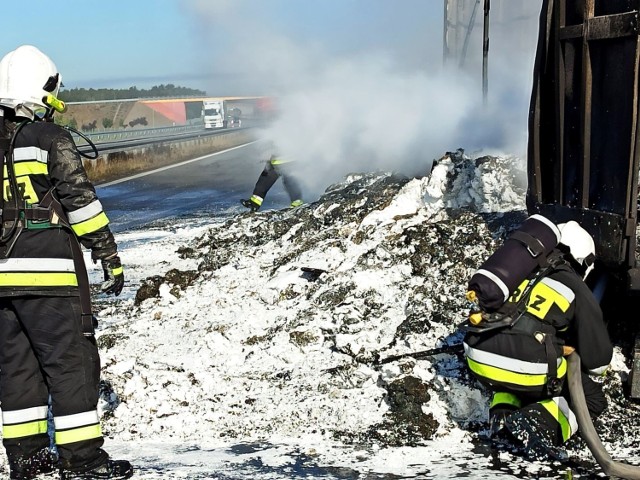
(113, 275)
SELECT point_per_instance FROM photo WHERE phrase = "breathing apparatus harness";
(9, 206)
(511, 318)
(16, 214)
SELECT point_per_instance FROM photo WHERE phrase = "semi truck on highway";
(220, 113)
(213, 113)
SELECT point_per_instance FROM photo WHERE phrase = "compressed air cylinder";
(522, 253)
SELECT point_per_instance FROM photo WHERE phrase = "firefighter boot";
(42, 461)
(250, 205)
(499, 436)
(497, 420)
(537, 435)
(110, 469)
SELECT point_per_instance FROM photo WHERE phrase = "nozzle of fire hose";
(471, 296)
(58, 105)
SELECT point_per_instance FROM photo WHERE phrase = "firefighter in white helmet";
(47, 346)
(523, 364)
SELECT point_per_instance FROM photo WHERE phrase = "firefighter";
(523, 365)
(276, 167)
(48, 351)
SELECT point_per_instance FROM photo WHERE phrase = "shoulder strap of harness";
(11, 234)
(50, 202)
(5, 145)
(554, 384)
(4, 148)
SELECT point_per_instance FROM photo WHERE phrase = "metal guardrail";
(121, 135)
(123, 140)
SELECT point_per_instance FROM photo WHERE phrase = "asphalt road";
(210, 185)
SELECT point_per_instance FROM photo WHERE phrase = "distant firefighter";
(275, 168)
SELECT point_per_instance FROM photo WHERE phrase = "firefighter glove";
(113, 275)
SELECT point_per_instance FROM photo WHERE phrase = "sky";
(249, 372)
(363, 80)
(215, 44)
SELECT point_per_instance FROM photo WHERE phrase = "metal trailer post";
(485, 51)
(583, 152)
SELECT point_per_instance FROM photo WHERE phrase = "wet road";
(212, 185)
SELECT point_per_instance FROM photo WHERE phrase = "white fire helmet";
(27, 76)
(580, 244)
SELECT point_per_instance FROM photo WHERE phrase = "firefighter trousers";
(554, 413)
(46, 359)
(270, 175)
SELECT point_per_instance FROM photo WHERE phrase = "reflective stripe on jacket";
(511, 373)
(275, 160)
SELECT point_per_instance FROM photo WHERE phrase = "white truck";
(213, 114)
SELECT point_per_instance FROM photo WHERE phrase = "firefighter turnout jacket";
(524, 363)
(48, 169)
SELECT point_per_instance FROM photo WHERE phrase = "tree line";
(101, 94)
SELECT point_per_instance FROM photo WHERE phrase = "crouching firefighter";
(516, 350)
(49, 210)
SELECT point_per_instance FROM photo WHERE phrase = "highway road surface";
(211, 185)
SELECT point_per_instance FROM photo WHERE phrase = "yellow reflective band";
(505, 376)
(117, 271)
(38, 279)
(279, 161)
(25, 185)
(24, 429)
(30, 168)
(91, 225)
(85, 213)
(500, 375)
(256, 199)
(554, 296)
(78, 434)
(553, 408)
(542, 298)
(504, 398)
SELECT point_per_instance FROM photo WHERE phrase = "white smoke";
(391, 105)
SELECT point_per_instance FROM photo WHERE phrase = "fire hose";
(588, 432)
